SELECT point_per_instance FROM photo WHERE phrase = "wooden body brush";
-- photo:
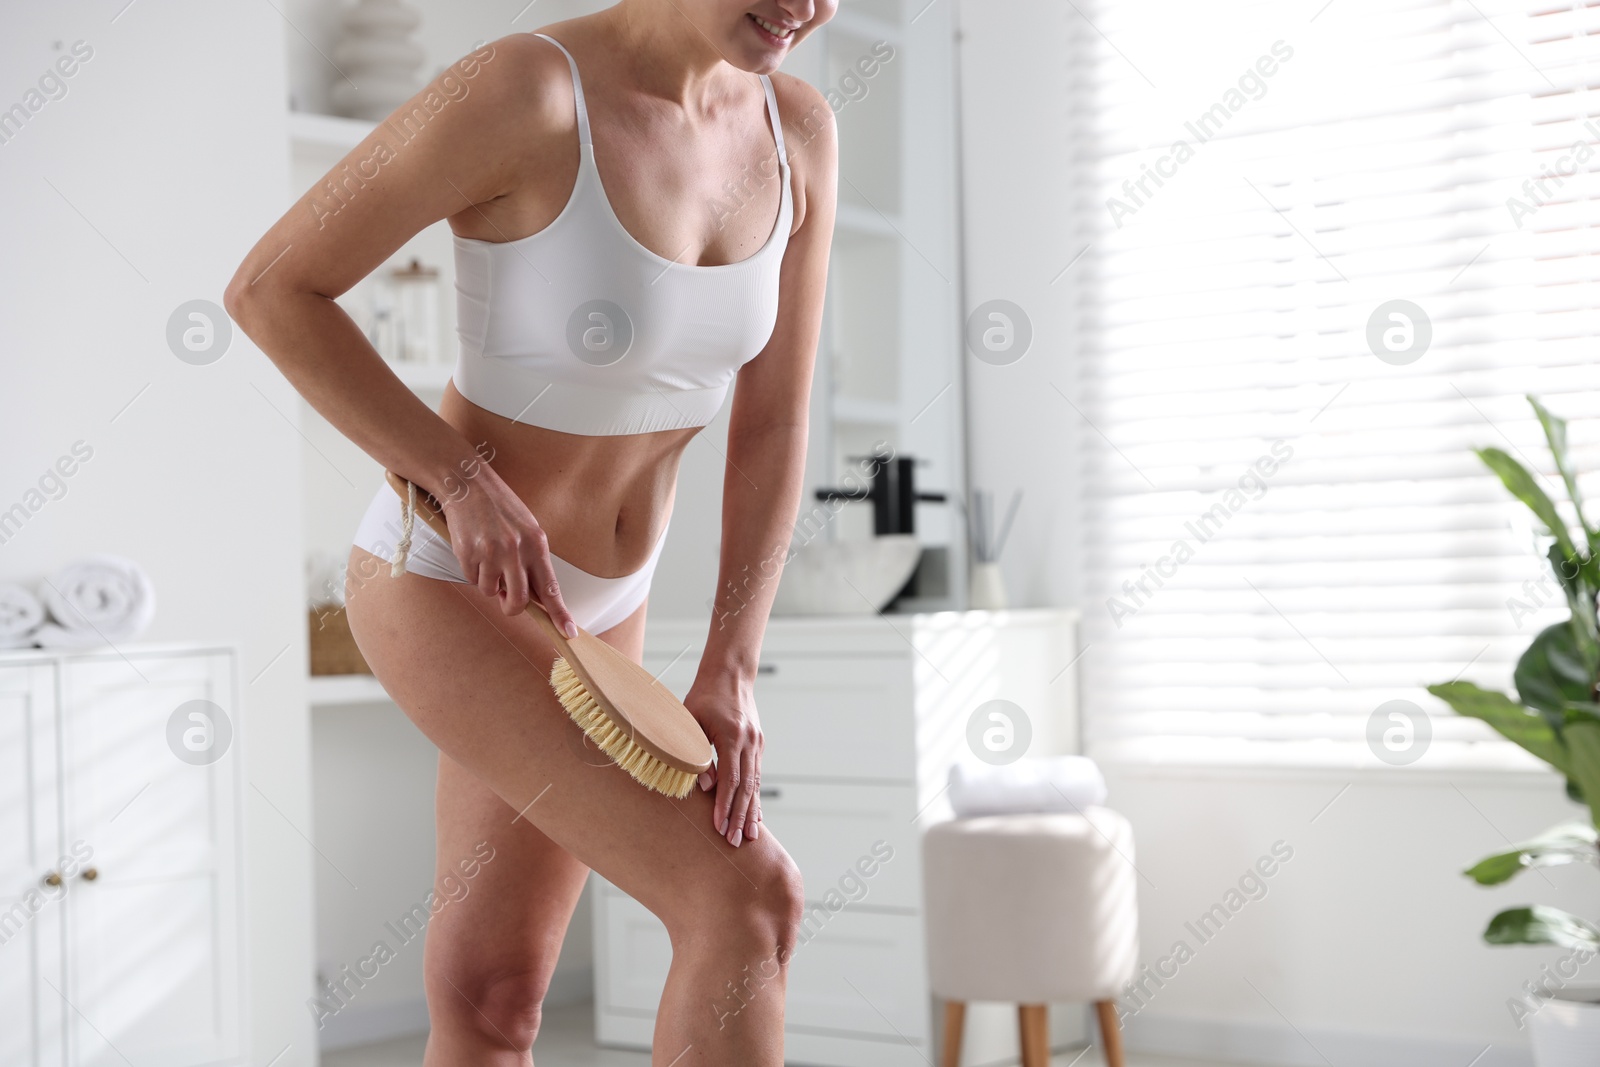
(631, 717)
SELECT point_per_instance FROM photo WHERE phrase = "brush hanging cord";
(408, 519)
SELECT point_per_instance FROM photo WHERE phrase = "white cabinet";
(119, 858)
(30, 934)
(862, 719)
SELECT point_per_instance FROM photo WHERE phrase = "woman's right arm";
(462, 141)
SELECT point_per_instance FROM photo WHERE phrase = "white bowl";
(1566, 1028)
(846, 577)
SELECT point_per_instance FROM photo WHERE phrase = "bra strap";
(777, 123)
(577, 90)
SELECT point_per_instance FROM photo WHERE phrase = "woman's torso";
(604, 498)
(602, 501)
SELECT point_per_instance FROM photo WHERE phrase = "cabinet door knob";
(766, 668)
(90, 874)
(53, 878)
(770, 791)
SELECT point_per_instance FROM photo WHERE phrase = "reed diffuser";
(986, 588)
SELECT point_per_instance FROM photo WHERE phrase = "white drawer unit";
(862, 718)
(831, 830)
(824, 716)
(120, 903)
(841, 958)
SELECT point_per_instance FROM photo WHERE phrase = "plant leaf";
(1555, 433)
(1582, 736)
(1511, 719)
(1525, 488)
(1573, 842)
(1555, 671)
(1541, 925)
(1579, 578)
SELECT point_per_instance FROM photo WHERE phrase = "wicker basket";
(333, 650)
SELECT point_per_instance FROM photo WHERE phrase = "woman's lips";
(767, 36)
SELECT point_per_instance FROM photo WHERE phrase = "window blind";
(1283, 527)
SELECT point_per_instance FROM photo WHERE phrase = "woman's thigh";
(508, 920)
(505, 923)
(476, 683)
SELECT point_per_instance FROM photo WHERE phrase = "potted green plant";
(1556, 716)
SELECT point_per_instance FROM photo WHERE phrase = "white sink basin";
(846, 577)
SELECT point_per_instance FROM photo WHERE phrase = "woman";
(601, 326)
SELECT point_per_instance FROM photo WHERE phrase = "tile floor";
(567, 1040)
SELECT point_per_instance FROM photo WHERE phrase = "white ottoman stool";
(1032, 909)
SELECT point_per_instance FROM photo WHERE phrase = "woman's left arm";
(764, 475)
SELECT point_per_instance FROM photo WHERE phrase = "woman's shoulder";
(806, 112)
(520, 65)
(810, 140)
(523, 90)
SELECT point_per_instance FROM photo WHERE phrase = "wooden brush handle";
(430, 511)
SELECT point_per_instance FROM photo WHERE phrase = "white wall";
(1368, 940)
(1020, 431)
(142, 188)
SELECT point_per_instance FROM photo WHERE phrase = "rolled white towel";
(1033, 783)
(96, 600)
(21, 614)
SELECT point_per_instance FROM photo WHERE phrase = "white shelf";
(332, 690)
(307, 130)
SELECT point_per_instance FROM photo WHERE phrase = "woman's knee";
(500, 1008)
(762, 909)
(785, 902)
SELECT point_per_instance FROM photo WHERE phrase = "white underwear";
(596, 603)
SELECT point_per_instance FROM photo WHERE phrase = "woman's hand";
(502, 548)
(726, 709)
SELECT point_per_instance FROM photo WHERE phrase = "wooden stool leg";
(1034, 1021)
(1110, 1032)
(955, 1016)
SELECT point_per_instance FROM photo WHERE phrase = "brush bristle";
(610, 738)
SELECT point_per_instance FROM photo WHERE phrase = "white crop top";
(582, 329)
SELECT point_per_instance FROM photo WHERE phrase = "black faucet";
(893, 494)
(894, 498)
